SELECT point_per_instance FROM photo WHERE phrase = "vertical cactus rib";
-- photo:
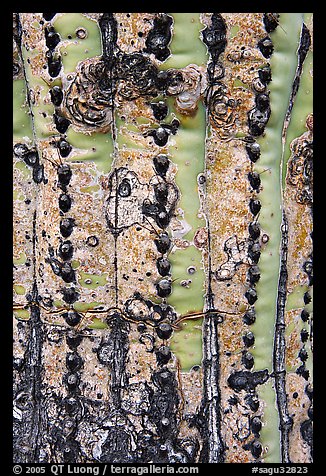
(279, 367)
(297, 204)
(187, 152)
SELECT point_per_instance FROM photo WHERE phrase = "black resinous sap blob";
(159, 37)
(214, 36)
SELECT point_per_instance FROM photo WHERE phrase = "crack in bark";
(279, 350)
(279, 368)
(210, 413)
(26, 447)
(305, 42)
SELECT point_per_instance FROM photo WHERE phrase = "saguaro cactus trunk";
(163, 237)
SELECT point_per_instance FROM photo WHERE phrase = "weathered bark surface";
(100, 156)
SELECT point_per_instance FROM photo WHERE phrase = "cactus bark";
(163, 260)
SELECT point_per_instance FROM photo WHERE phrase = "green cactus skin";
(186, 47)
(97, 148)
(74, 49)
(188, 153)
(94, 147)
(21, 118)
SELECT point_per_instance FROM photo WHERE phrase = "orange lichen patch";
(131, 24)
(298, 405)
(87, 210)
(140, 161)
(131, 111)
(230, 298)
(231, 331)
(18, 341)
(191, 385)
(245, 102)
(228, 166)
(241, 49)
(37, 61)
(32, 35)
(93, 374)
(300, 241)
(136, 263)
(53, 360)
(250, 27)
(229, 215)
(297, 204)
(140, 362)
(34, 48)
(235, 455)
(23, 207)
(293, 342)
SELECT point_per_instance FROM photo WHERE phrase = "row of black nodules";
(255, 423)
(64, 173)
(164, 288)
(265, 45)
(52, 39)
(65, 251)
(63, 268)
(260, 114)
(71, 404)
(253, 275)
(158, 209)
(164, 315)
(257, 120)
(304, 334)
(163, 405)
(247, 381)
(163, 328)
(163, 242)
(306, 427)
(74, 362)
(61, 123)
(164, 331)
